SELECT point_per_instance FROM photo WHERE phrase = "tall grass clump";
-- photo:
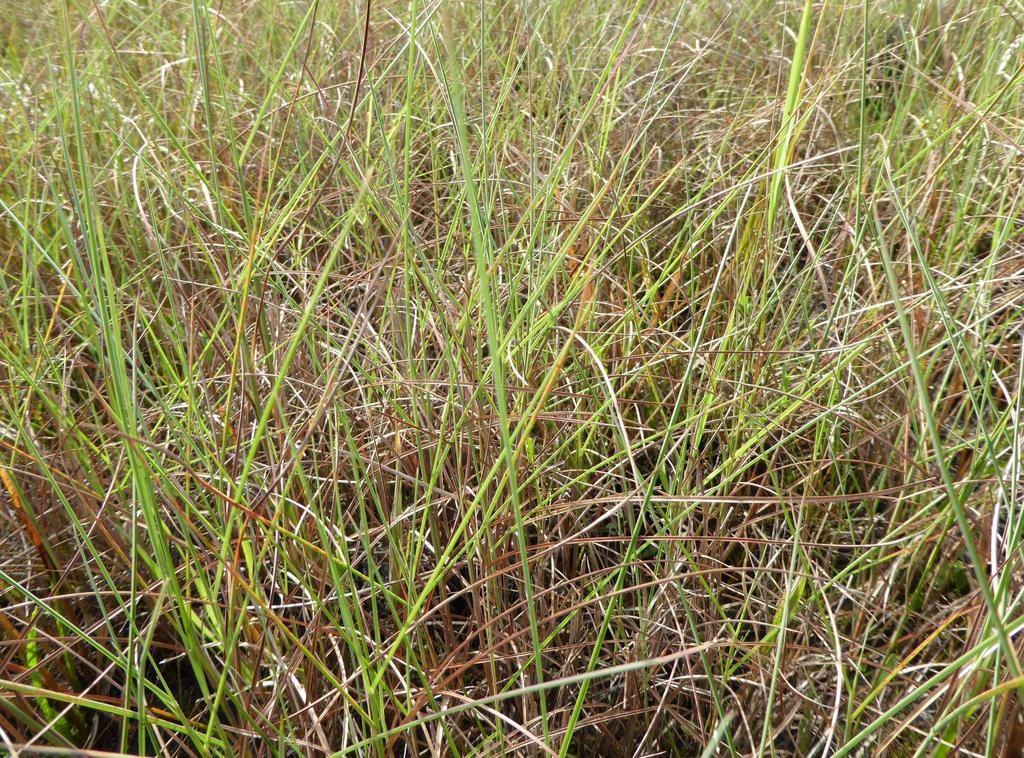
(587, 378)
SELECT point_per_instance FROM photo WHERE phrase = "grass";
(538, 378)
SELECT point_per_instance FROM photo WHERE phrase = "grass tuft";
(469, 379)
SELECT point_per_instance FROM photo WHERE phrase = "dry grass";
(439, 378)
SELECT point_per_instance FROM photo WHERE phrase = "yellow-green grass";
(514, 378)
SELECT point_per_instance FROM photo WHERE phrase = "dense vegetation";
(511, 378)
